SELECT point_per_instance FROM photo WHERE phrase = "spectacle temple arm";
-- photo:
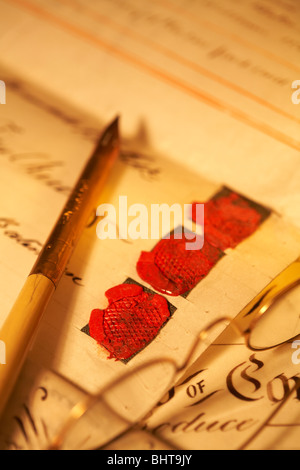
(251, 313)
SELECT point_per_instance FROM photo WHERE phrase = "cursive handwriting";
(201, 422)
(224, 54)
(38, 165)
(28, 426)
(79, 126)
(7, 226)
(281, 383)
(76, 280)
(194, 385)
(143, 163)
(281, 18)
(30, 244)
(243, 382)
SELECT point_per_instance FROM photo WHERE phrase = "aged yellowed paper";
(205, 93)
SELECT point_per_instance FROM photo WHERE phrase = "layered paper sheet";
(205, 97)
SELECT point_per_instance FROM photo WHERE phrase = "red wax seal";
(228, 220)
(172, 269)
(132, 319)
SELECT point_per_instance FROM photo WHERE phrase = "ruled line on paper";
(174, 81)
(167, 52)
(214, 27)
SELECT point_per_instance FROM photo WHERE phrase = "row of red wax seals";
(135, 314)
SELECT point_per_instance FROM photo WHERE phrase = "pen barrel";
(22, 322)
(19, 330)
(74, 217)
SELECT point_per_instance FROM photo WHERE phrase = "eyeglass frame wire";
(243, 324)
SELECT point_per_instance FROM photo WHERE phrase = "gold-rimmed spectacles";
(269, 320)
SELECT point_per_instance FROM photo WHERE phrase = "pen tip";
(113, 127)
(110, 135)
(115, 123)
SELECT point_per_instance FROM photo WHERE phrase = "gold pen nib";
(110, 136)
